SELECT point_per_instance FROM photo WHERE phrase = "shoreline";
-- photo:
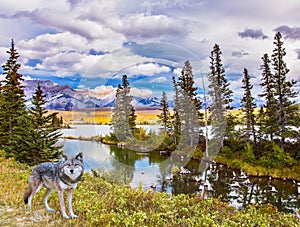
(253, 171)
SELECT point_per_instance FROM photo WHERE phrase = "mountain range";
(63, 97)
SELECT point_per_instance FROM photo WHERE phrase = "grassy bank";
(100, 203)
(291, 173)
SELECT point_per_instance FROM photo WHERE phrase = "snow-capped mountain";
(63, 97)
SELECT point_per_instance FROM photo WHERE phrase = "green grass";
(100, 203)
(282, 173)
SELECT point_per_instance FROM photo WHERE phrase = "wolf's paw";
(73, 216)
(66, 216)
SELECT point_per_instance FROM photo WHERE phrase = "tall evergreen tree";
(38, 141)
(12, 101)
(283, 90)
(269, 124)
(165, 116)
(248, 107)
(220, 93)
(189, 106)
(218, 71)
(123, 114)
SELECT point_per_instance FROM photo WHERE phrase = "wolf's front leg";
(70, 194)
(62, 204)
(48, 193)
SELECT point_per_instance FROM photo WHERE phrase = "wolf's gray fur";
(58, 176)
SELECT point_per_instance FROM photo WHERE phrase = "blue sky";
(88, 43)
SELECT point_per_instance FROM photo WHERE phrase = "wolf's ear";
(79, 157)
(64, 157)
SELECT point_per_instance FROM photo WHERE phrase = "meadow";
(103, 116)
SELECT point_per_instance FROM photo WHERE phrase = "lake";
(154, 171)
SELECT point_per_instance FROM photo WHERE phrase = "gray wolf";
(59, 176)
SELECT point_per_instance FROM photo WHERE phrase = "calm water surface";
(148, 169)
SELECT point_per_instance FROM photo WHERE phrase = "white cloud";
(106, 66)
(150, 26)
(147, 69)
(160, 79)
(143, 93)
(47, 45)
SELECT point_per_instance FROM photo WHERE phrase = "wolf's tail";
(27, 194)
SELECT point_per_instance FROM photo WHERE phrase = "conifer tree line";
(28, 135)
(271, 131)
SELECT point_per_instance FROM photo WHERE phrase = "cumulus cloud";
(147, 26)
(252, 33)
(119, 62)
(68, 53)
(46, 45)
(147, 69)
(289, 32)
(60, 20)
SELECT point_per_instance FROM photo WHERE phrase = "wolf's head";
(72, 167)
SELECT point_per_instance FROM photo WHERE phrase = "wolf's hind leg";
(45, 200)
(34, 188)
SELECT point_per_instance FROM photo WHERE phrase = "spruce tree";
(218, 71)
(248, 108)
(38, 141)
(269, 124)
(189, 106)
(165, 116)
(123, 114)
(284, 92)
(12, 101)
(220, 93)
